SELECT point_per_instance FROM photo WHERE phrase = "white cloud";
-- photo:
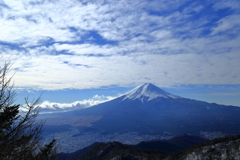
(51, 73)
(228, 23)
(32, 24)
(222, 4)
(166, 49)
(50, 107)
(86, 49)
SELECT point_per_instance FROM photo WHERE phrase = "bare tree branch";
(20, 133)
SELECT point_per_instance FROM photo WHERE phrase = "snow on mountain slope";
(144, 92)
(147, 92)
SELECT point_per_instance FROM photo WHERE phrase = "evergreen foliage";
(20, 133)
(47, 152)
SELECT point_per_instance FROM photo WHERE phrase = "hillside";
(221, 148)
(172, 145)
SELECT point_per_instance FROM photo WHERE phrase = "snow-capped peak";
(147, 92)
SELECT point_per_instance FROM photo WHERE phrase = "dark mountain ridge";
(221, 148)
(150, 147)
(172, 145)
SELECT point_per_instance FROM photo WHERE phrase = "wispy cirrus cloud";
(228, 23)
(89, 44)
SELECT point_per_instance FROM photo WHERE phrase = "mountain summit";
(147, 112)
(147, 92)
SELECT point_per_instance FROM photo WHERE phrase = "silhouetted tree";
(47, 152)
(19, 130)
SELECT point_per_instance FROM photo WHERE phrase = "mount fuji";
(147, 92)
(148, 109)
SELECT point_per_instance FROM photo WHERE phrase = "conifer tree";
(20, 133)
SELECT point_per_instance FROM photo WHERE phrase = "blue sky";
(71, 50)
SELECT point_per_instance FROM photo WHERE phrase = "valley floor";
(72, 140)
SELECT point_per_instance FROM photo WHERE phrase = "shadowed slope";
(149, 110)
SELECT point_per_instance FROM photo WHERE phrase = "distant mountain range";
(148, 110)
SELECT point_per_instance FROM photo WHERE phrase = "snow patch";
(148, 92)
